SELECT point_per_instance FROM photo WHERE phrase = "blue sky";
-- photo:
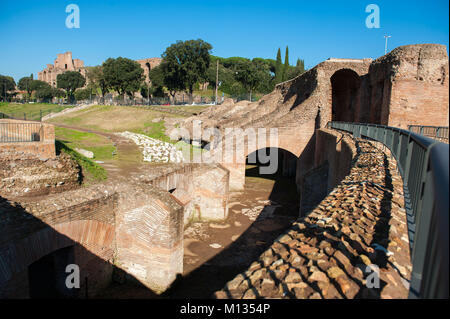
(33, 32)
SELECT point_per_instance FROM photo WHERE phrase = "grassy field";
(101, 146)
(110, 118)
(92, 172)
(32, 111)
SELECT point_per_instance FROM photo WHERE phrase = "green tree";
(123, 75)
(249, 76)
(38, 84)
(184, 64)
(59, 93)
(226, 77)
(286, 64)
(7, 83)
(156, 77)
(278, 68)
(70, 81)
(24, 84)
(96, 80)
(83, 94)
(45, 93)
(265, 79)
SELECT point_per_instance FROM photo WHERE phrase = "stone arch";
(93, 240)
(149, 67)
(345, 85)
(285, 160)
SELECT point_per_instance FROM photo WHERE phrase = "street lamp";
(385, 45)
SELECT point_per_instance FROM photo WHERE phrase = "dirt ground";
(215, 252)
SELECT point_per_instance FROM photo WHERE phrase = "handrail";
(424, 166)
(437, 132)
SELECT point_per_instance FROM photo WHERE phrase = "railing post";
(408, 161)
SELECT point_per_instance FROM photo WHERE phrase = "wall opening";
(280, 183)
(345, 85)
(47, 276)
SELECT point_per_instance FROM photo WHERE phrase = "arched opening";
(149, 67)
(47, 276)
(272, 172)
(257, 216)
(345, 85)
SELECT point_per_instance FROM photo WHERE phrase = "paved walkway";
(361, 222)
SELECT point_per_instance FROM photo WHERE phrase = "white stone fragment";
(154, 150)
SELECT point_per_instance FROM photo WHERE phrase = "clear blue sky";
(33, 32)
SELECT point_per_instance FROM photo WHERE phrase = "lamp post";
(217, 78)
(385, 45)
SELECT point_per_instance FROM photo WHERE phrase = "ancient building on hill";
(147, 65)
(63, 63)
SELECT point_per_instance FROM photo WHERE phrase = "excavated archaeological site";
(310, 229)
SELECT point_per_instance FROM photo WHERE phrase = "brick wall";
(417, 102)
(44, 148)
(333, 156)
(30, 231)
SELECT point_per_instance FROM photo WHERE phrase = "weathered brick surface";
(409, 85)
(325, 254)
(30, 231)
(137, 228)
(334, 152)
(29, 175)
(44, 148)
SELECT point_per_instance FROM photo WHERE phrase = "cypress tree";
(286, 63)
(278, 68)
(301, 65)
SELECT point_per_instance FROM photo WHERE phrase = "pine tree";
(278, 68)
(286, 63)
(301, 65)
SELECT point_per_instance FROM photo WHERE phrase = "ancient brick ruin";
(133, 229)
(64, 62)
(147, 65)
(407, 86)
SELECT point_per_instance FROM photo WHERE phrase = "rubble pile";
(154, 150)
(31, 176)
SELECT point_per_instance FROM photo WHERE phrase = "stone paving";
(327, 254)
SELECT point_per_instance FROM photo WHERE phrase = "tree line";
(185, 65)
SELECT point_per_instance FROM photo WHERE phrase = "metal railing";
(439, 133)
(424, 166)
(20, 132)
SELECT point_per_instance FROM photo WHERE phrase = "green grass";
(32, 111)
(155, 130)
(92, 172)
(106, 118)
(99, 145)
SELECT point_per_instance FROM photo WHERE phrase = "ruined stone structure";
(407, 86)
(128, 231)
(328, 253)
(63, 63)
(147, 65)
(133, 230)
(42, 134)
